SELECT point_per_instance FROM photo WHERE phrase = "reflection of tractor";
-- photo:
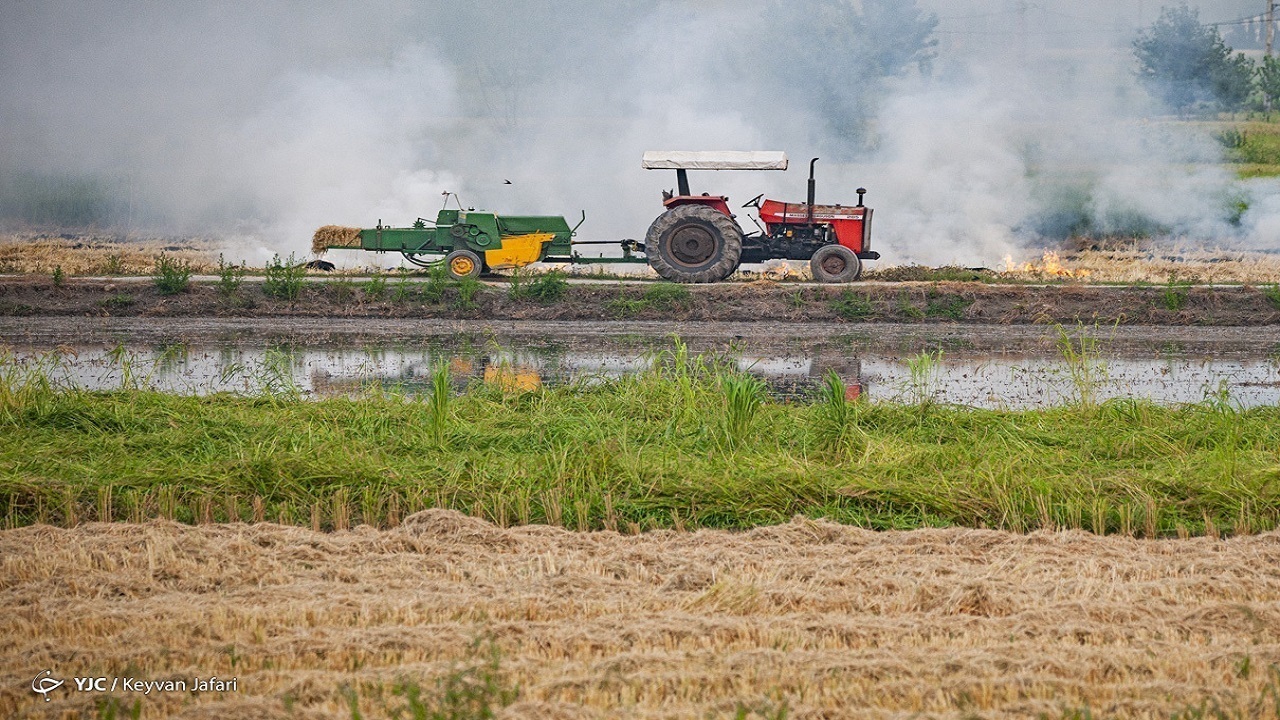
(698, 239)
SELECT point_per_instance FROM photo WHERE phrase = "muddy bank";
(826, 620)
(943, 302)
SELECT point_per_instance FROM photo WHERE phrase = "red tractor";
(698, 238)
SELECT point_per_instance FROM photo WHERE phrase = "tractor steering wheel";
(754, 202)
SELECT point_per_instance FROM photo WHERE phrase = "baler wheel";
(694, 244)
(463, 263)
(835, 264)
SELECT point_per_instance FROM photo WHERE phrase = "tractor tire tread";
(728, 255)
(853, 266)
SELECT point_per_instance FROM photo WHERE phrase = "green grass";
(661, 296)
(851, 306)
(544, 288)
(678, 446)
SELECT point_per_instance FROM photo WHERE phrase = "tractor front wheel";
(463, 264)
(693, 244)
(835, 264)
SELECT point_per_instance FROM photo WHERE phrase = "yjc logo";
(45, 684)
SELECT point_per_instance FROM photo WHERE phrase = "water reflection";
(993, 382)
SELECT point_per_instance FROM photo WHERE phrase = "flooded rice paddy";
(980, 366)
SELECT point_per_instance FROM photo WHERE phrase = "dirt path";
(907, 302)
(829, 620)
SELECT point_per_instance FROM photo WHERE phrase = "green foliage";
(114, 708)
(171, 276)
(1231, 138)
(1269, 81)
(837, 418)
(438, 401)
(1187, 65)
(661, 296)
(437, 281)
(343, 289)
(951, 307)
(924, 369)
(654, 444)
(283, 278)
(115, 264)
(743, 395)
(59, 277)
(119, 301)
(907, 308)
(544, 288)
(230, 277)
(1174, 293)
(667, 296)
(468, 289)
(376, 288)
(1084, 367)
(851, 306)
(921, 273)
(472, 691)
(1272, 294)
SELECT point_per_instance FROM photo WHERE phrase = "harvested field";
(825, 620)
(94, 255)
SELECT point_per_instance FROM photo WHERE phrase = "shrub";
(230, 277)
(171, 276)
(284, 278)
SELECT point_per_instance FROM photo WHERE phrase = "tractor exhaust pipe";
(813, 188)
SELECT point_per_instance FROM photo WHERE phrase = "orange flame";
(1050, 266)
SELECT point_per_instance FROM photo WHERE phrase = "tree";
(1187, 64)
(1269, 81)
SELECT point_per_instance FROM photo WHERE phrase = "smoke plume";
(980, 127)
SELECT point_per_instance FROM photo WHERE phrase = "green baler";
(468, 241)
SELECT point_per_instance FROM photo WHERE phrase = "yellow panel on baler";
(517, 250)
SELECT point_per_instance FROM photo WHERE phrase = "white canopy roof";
(714, 160)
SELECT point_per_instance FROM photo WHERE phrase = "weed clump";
(171, 276)
(468, 289)
(283, 278)
(230, 278)
(851, 306)
(376, 288)
(1272, 294)
(661, 296)
(545, 288)
(1174, 293)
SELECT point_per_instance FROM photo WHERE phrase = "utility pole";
(1271, 25)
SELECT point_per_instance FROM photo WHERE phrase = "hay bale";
(334, 236)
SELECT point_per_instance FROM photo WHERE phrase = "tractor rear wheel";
(693, 244)
(835, 264)
(463, 263)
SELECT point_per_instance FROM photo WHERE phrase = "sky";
(254, 123)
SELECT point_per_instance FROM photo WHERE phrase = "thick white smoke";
(259, 124)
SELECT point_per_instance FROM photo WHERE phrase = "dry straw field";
(806, 619)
